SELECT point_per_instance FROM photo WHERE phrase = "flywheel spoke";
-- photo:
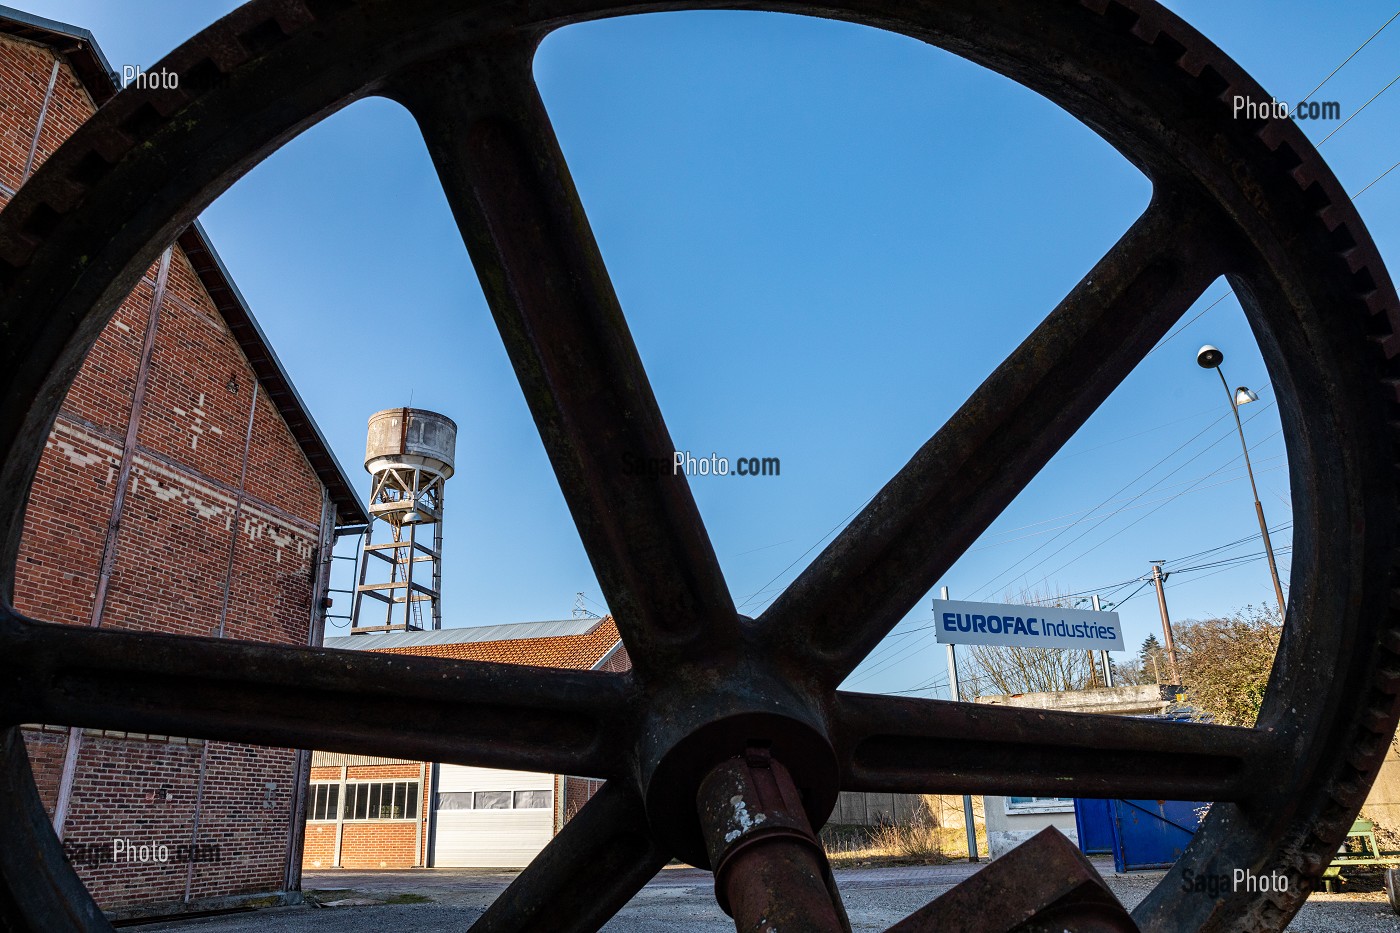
(923, 519)
(526, 230)
(464, 712)
(599, 860)
(903, 745)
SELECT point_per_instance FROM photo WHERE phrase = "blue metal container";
(1093, 820)
(1152, 834)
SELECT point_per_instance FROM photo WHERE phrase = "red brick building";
(366, 812)
(184, 489)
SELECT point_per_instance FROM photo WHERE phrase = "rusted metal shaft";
(770, 869)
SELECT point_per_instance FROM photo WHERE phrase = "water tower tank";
(410, 455)
(411, 437)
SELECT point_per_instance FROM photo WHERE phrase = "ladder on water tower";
(403, 555)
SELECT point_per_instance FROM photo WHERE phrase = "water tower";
(409, 453)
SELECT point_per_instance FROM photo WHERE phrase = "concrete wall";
(1383, 802)
(1007, 828)
(1142, 700)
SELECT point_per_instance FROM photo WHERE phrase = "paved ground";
(681, 900)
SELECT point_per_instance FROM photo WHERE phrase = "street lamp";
(1210, 357)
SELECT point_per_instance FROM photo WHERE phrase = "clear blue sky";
(824, 237)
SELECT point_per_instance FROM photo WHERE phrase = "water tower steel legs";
(410, 455)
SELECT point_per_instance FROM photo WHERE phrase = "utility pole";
(968, 822)
(1107, 664)
(1157, 580)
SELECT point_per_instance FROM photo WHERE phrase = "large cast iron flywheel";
(727, 719)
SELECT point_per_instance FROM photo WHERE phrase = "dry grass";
(914, 842)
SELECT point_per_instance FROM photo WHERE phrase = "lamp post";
(1209, 357)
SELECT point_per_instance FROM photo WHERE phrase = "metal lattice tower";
(409, 453)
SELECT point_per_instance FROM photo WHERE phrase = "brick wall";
(185, 517)
(24, 74)
(371, 843)
(374, 844)
(620, 661)
(318, 850)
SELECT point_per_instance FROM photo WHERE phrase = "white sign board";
(961, 623)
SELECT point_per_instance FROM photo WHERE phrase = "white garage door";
(491, 819)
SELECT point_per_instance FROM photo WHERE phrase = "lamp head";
(1209, 357)
(1244, 396)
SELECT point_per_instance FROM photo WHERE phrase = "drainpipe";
(39, 124)
(109, 544)
(301, 782)
(422, 802)
(432, 819)
(340, 815)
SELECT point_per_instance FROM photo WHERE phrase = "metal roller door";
(491, 819)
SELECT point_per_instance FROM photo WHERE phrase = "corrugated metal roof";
(461, 636)
(337, 759)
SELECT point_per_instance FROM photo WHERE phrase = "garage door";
(491, 819)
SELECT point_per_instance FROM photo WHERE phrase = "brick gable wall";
(181, 522)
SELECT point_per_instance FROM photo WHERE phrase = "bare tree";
(1000, 669)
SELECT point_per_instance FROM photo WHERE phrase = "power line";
(1111, 498)
(1358, 110)
(1119, 440)
(1237, 559)
(750, 598)
(890, 662)
(886, 645)
(1177, 560)
(1145, 516)
(1145, 584)
(940, 681)
(1165, 340)
(1131, 503)
(1124, 507)
(1344, 62)
(1374, 180)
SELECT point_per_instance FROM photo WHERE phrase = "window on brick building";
(381, 800)
(325, 801)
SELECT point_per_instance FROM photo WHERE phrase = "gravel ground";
(682, 900)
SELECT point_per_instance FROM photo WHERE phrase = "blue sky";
(825, 237)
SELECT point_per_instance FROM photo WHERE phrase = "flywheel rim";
(92, 219)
